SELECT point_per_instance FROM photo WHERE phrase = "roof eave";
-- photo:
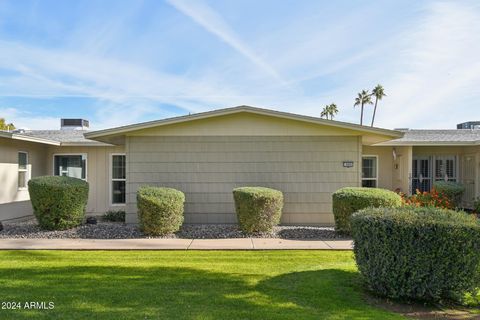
(427, 143)
(16, 136)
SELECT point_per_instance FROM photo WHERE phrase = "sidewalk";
(174, 244)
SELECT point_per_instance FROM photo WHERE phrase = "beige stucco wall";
(393, 174)
(467, 177)
(98, 174)
(308, 169)
(14, 203)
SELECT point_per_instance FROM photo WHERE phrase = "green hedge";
(452, 190)
(114, 216)
(258, 209)
(350, 199)
(422, 253)
(58, 202)
(160, 210)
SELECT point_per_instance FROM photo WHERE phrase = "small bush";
(160, 210)
(452, 190)
(350, 199)
(258, 209)
(422, 253)
(114, 216)
(58, 202)
(428, 199)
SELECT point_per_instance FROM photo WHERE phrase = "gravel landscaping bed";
(115, 230)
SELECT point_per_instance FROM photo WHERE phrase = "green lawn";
(185, 285)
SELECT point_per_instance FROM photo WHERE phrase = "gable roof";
(415, 137)
(101, 134)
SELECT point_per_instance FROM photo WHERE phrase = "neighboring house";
(208, 154)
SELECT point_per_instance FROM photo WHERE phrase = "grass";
(185, 285)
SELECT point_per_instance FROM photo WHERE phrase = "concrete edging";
(174, 244)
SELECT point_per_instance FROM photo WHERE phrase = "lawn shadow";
(100, 292)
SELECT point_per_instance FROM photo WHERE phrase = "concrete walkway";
(173, 244)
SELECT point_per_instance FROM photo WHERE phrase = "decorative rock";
(116, 230)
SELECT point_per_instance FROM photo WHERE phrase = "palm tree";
(324, 112)
(363, 98)
(379, 93)
(332, 110)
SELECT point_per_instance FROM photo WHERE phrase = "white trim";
(71, 154)
(110, 179)
(376, 169)
(27, 171)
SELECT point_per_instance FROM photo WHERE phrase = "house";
(206, 155)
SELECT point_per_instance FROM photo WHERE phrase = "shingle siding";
(306, 168)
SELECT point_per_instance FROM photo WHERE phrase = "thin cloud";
(209, 19)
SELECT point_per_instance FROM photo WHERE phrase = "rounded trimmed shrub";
(58, 202)
(348, 200)
(258, 209)
(452, 190)
(422, 253)
(160, 210)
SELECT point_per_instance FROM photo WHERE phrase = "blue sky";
(119, 62)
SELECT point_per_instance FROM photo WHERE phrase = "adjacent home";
(206, 155)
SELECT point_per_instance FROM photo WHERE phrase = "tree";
(6, 126)
(362, 99)
(324, 112)
(330, 110)
(379, 93)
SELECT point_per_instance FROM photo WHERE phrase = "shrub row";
(423, 253)
(160, 210)
(59, 203)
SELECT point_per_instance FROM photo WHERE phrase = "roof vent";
(474, 125)
(74, 124)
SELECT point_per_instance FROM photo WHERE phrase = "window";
(369, 171)
(445, 168)
(74, 166)
(428, 169)
(118, 178)
(22, 170)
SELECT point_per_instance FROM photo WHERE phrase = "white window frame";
(432, 168)
(71, 154)
(110, 176)
(27, 171)
(453, 157)
(376, 169)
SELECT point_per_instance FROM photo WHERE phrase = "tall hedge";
(58, 202)
(258, 209)
(422, 253)
(160, 210)
(350, 199)
(452, 190)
